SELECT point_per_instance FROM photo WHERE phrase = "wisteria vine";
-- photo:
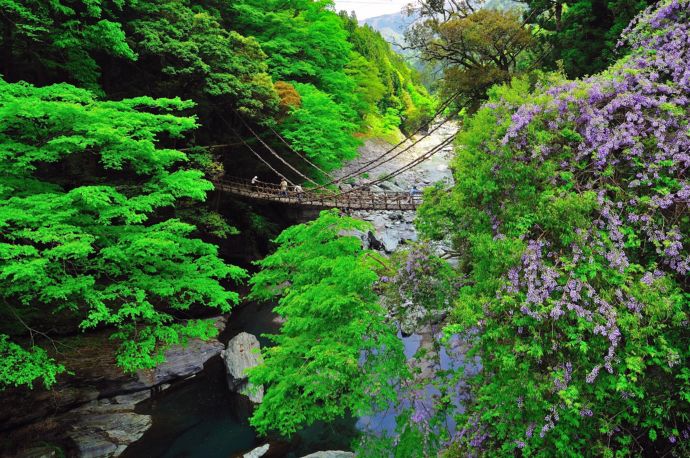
(590, 308)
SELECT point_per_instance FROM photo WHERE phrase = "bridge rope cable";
(404, 150)
(438, 148)
(404, 168)
(384, 161)
(368, 165)
(253, 150)
(272, 151)
(300, 155)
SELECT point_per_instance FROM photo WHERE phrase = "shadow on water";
(201, 418)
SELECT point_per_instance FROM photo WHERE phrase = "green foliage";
(21, 367)
(304, 40)
(403, 89)
(583, 33)
(320, 128)
(335, 353)
(88, 222)
(476, 48)
(196, 57)
(39, 36)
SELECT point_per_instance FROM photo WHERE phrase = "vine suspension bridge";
(329, 195)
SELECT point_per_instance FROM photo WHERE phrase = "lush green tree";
(477, 49)
(304, 40)
(187, 52)
(403, 91)
(335, 353)
(87, 211)
(48, 41)
(320, 128)
(366, 76)
(583, 33)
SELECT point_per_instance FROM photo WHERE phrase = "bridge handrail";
(265, 185)
(358, 199)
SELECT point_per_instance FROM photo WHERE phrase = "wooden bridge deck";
(355, 200)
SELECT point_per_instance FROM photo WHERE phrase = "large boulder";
(181, 361)
(242, 354)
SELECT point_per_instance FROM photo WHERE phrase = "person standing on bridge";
(283, 187)
(414, 192)
(299, 191)
(255, 179)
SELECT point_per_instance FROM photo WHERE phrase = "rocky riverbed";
(393, 228)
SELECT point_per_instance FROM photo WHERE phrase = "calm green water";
(201, 418)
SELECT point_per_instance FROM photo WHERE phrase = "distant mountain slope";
(392, 26)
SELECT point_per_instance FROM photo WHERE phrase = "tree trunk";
(6, 48)
(559, 16)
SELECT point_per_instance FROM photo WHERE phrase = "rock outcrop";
(91, 413)
(241, 354)
(106, 427)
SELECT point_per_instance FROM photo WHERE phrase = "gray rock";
(379, 221)
(132, 398)
(41, 451)
(258, 452)
(411, 317)
(331, 454)
(390, 241)
(388, 186)
(94, 445)
(372, 243)
(242, 354)
(105, 428)
(180, 361)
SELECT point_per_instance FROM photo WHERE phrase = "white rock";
(241, 354)
(258, 452)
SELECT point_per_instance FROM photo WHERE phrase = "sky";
(366, 9)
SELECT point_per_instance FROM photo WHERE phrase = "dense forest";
(98, 98)
(552, 272)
